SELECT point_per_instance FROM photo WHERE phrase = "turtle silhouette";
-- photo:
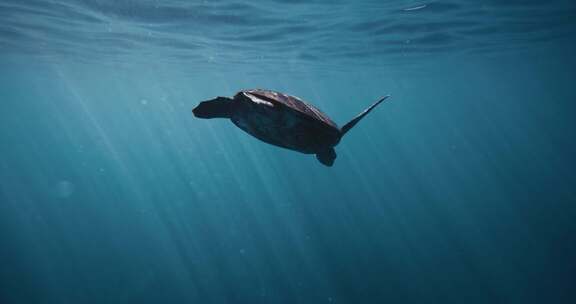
(282, 120)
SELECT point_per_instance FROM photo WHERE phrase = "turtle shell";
(291, 102)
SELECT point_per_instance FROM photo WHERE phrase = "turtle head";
(219, 107)
(327, 157)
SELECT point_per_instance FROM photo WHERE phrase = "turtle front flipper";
(358, 117)
(219, 107)
(327, 157)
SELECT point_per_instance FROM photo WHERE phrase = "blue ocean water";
(459, 189)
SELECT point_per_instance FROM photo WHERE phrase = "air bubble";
(64, 189)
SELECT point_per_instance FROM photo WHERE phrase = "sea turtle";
(281, 120)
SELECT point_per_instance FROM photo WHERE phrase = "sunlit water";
(459, 189)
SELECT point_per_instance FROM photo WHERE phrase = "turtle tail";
(358, 117)
(219, 107)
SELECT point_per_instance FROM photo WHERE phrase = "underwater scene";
(459, 187)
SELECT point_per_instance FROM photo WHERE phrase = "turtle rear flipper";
(327, 157)
(358, 117)
(219, 107)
